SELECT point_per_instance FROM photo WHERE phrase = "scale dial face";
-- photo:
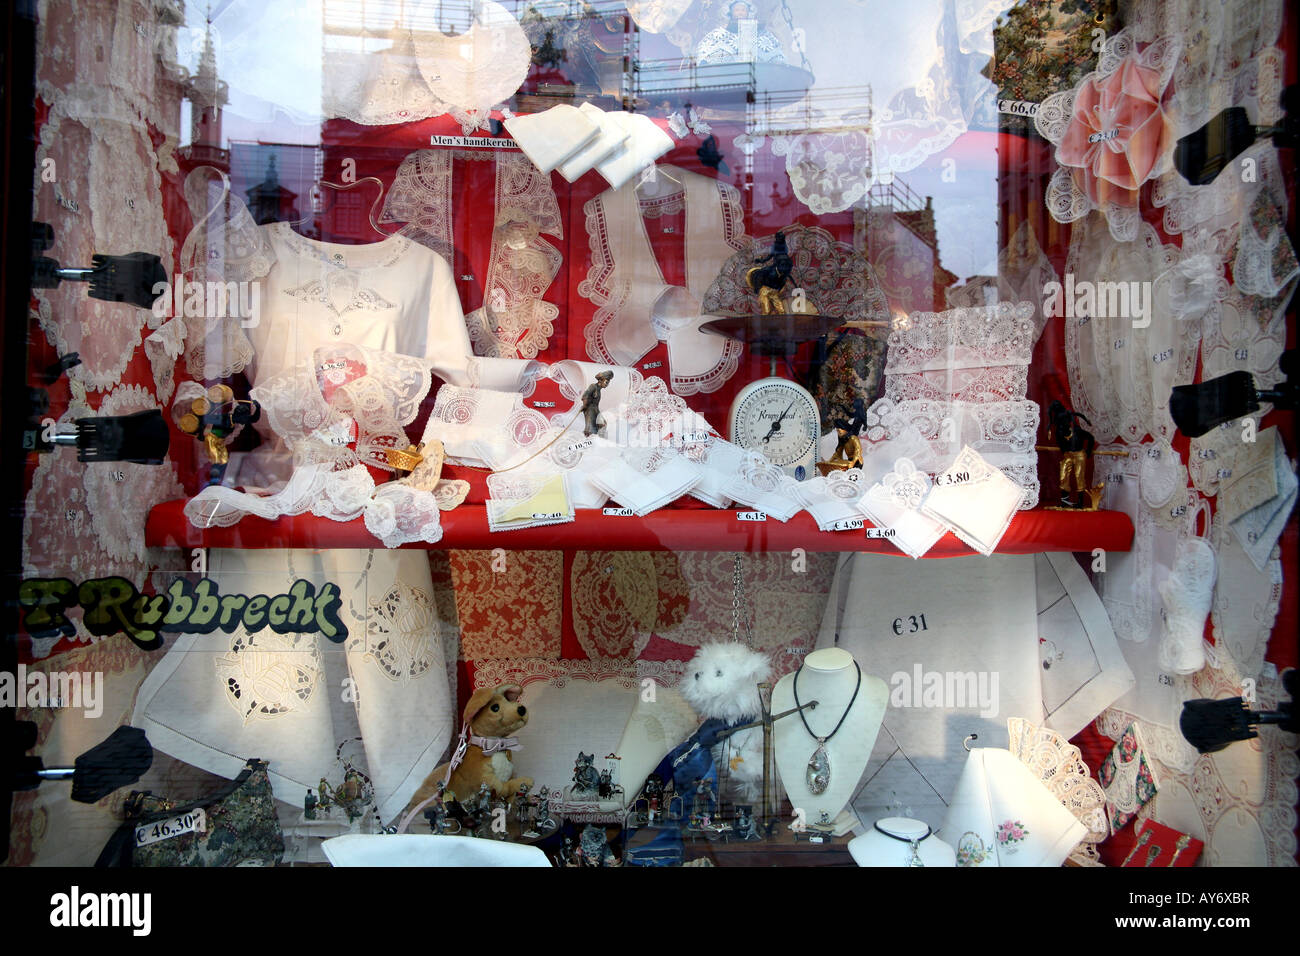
(779, 419)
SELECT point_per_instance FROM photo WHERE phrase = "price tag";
(751, 516)
(580, 445)
(1206, 454)
(618, 512)
(1153, 453)
(951, 478)
(1223, 473)
(1165, 679)
(880, 532)
(1164, 356)
(816, 839)
(543, 404)
(853, 475)
(537, 516)
(192, 822)
(911, 624)
(650, 365)
(848, 524)
(695, 437)
(1178, 511)
(1241, 354)
(1118, 344)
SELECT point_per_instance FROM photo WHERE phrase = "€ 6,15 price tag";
(192, 822)
(751, 516)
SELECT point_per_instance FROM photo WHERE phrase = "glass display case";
(660, 433)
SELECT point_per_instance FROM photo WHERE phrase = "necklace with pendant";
(819, 764)
(915, 858)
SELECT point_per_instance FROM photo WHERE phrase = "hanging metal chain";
(795, 37)
(737, 599)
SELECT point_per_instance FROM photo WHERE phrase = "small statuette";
(819, 769)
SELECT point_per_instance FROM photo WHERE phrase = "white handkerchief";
(647, 143)
(893, 505)
(1258, 529)
(975, 500)
(718, 469)
(1003, 815)
(644, 482)
(550, 138)
(832, 499)
(527, 501)
(762, 485)
(611, 139)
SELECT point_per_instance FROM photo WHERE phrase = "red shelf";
(672, 529)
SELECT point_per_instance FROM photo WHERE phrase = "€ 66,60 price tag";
(192, 822)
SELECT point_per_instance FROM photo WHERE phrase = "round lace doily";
(479, 68)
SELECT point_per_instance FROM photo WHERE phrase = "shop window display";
(530, 431)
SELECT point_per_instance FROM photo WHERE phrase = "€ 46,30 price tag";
(192, 822)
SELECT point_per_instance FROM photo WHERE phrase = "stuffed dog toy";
(482, 753)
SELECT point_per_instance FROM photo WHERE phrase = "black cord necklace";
(819, 764)
(915, 859)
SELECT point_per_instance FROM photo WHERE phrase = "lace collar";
(372, 255)
(381, 402)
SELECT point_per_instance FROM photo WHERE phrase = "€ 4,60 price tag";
(193, 821)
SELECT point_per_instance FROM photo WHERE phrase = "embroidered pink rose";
(1117, 132)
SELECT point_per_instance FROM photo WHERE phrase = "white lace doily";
(1246, 602)
(479, 67)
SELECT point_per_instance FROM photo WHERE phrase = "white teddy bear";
(721, 681)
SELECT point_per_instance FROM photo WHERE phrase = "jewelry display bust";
(900, 841)
(838, 734)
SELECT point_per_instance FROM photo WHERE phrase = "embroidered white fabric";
(553, 136)
(514, 320)
(975, 500)
(119, 495)
(1210, 457)
(1060, 766)
(1258, 529)
(646, 479)
(832, 499)
(641, 142)
(610, 140)
(420, 197)
(1162, 474)
(1111, 361)
(478, 68)
(1187, 594)
(720, 462)
(528, 500)
(634, 307)
(163, 347)
(1246, 333)
(1246, 602)
(1219, 42)
(484, 428)
(972, 355)
(1120, 60)
(765, 487)
(1002, 432)
(381, 402)
(894, 505)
